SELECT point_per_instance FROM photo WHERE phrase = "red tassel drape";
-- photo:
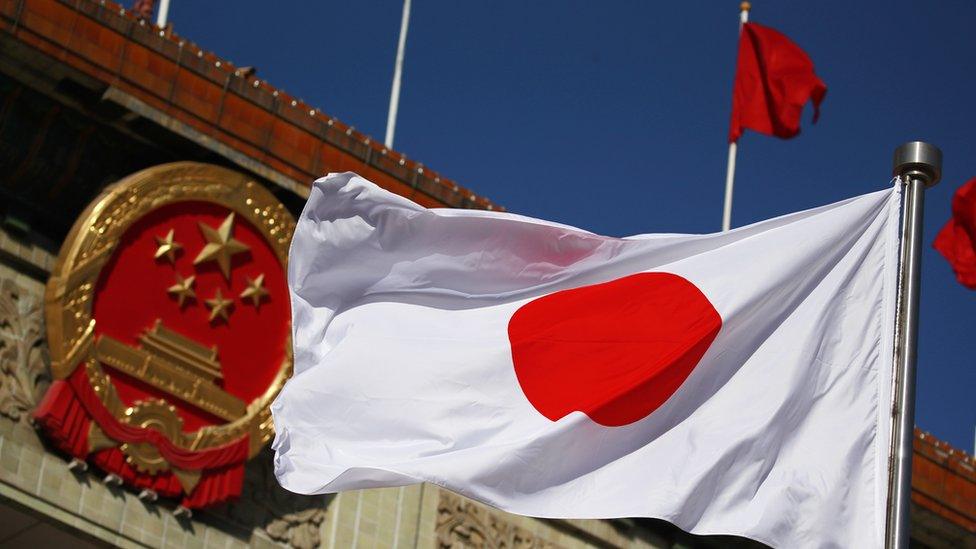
(66, 413)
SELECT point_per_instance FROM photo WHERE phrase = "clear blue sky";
(612, 116)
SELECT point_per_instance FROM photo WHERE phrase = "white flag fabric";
(730, 383)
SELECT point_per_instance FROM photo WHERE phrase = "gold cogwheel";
(150, 414)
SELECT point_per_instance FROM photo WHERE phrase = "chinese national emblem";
(168, 322)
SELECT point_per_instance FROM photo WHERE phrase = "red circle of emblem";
(138, 298)
(615, 351)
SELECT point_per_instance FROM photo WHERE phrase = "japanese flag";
(730, 383)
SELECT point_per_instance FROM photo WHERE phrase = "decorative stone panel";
(462, 523)
(24, 363)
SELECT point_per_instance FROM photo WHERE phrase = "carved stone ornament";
(300, 530)
(23, 351)
(462, 523)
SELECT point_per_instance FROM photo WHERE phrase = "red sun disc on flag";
(615, 351)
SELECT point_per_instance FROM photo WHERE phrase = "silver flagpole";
(733, 147)
(162, 17)
(919, 165)
(397, 74)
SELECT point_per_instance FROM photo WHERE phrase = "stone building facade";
(90, 94)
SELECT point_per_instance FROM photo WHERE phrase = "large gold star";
(183, 289)
(219, 306)
(221, 246)
(255, 290)
(167, 247)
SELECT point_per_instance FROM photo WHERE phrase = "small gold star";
(219, 306)
(183, 289)
(221, 246)
(167, 247)
(255, 290)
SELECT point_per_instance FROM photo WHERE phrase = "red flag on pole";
(774, 78)
(957, 240)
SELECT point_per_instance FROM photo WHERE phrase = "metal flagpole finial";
(918, 160)
(745, 6)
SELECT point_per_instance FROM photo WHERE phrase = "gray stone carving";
(462, 524)
(24, 360)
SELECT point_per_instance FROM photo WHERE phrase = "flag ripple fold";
(729, 383)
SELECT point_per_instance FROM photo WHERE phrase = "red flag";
(774, 78)
(957, 240)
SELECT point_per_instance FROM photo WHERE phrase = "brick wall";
(944, 482)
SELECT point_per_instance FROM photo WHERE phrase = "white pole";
(397, 72)
(733, 147)
(163, 14)
(729, 182)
